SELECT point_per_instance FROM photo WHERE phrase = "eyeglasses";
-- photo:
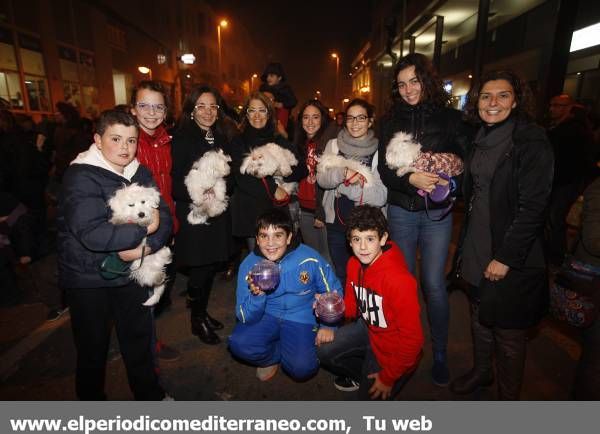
(205, 108)
(148, 108)
(360, 119)
(262, 111)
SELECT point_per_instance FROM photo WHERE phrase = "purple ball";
(265, 275)
(330, 307)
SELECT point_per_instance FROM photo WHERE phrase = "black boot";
(201, 329)
(510, 362)
(213, 323)
(471, 381)
(481, 375)
(200, 325)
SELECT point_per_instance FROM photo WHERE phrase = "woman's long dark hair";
(431, 84)
(300, 137)
(524, 109)
(190, 102)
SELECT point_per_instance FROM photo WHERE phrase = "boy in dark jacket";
(274, 82)
(86, 238)
(388, 335)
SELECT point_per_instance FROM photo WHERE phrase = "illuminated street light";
(145, 70)
(254, 76)
(335, 56)
(222, 25)
(345, 100)
(188, 58)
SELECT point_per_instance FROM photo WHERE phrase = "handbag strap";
(444, 213)
(276, 202)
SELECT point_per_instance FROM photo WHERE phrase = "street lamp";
(145, 70)
(222, 24)
(318, 93)
(252, 82)
(337, 73)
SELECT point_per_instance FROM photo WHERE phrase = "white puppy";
(404, 155)
(134, 204)
(207, 187)
(401, 153)
(271, 160)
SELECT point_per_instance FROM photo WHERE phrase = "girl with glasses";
(202, 247)
(254, 196)
(420, 108)
(347, 171)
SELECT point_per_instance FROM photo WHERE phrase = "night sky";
(302, 34)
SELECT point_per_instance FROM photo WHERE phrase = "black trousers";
(199, 287)
(92, 310)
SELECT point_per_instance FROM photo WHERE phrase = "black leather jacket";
(437, 129)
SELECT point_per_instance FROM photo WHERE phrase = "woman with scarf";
(420, 108)
(507, 183)
(200, 247)
(347, 171)
(253, 196)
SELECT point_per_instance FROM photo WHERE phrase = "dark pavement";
(37, 358)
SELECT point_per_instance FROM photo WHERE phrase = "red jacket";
(154, 152)
(389, 304)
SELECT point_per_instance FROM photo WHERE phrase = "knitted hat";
(273, 68)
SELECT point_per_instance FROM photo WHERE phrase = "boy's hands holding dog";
(153, 226)
(133, 254)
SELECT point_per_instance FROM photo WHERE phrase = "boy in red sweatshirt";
(376, 353)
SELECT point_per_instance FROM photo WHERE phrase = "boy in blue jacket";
(86, 238)
(280, 327)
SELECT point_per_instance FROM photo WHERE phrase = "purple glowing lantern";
(330, 307)
(265, 275)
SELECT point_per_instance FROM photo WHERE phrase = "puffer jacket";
(85, 236)
(437, 129)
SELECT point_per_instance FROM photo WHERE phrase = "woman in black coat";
(253, 196)
(420, 108)
(507, 183)
(201, 247)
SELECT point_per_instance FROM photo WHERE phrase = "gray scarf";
(352, 147)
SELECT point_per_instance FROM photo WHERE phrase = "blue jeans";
(339, 250)
(412, 229)
(350, 355)
(273, 340)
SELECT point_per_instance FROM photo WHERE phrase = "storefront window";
(10, 90)
(37, 93)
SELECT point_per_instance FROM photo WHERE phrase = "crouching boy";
(86, 238)
(376, 353)
(280, 328)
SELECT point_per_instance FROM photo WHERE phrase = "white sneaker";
(266, 373)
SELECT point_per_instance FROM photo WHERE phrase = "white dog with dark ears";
(135, 204)
(207, 187)
(271, 159)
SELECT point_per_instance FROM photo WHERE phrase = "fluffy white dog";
(207, 187)
(404, 155)
(329, 161)
(134, 204)
(271, 160)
